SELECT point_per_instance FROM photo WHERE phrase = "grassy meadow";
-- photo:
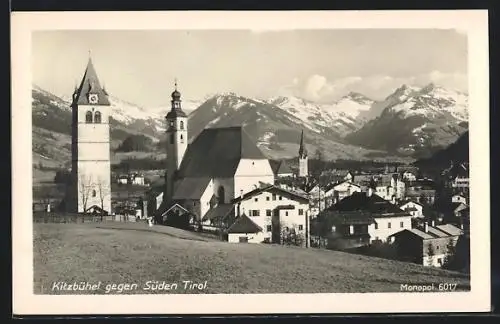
(115, 253)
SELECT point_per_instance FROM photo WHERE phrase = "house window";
(437, 247)
(268, 228)
(280, 198)
(301, 212)
(254, 212)
(389, 225)
(301, 227)
(376, 226)
(402, 224)
(440, 261)
(94, 193)
(88, 117)
(182, 125)
(286, 213)
(267, 198)
(256, 199)
(97, 117)
(268, 212)
(274, 196)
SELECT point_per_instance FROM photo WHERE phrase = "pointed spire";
(302, 149)
(175, 83)
(90, 83)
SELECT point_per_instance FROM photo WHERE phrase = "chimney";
(426, 227)
(433, 223)
(369, 192)
(393, 200)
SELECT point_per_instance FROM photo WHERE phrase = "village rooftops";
(373, 204)
(433, 232)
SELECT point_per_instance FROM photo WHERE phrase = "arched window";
(88, 117)
(182, 125)
(94, 193)
(221, 194)
(182, 138)
(97, 117)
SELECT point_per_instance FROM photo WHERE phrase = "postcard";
(250, 162)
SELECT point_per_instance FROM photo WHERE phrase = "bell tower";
(303, 164)
(177, 140)
(90, 146)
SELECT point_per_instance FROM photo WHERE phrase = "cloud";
(319, 89)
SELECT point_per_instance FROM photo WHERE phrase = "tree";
(430, 254)
(449, 259)
(103, 189)
(85, 186)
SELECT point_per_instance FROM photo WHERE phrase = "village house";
(414, 208)
(459, 198)
(409, 176)
(365, 213)
(267, 214)
(457, 176)
(390, 187)
(137, 179)
(428, 245)
(338, 191)
(422, 191)
(122, 179)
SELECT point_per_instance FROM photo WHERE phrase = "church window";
(182, 139)
(280, 198)
(172, 123)
(97, 117)
(88, 117)
(171, 138)
(286, 213)
(182, 125)
(256, 199)
(94, 193)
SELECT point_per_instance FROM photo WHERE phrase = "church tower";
(303, 165)
(90, 146)
(177, 140)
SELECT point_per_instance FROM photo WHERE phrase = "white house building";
(336, 192)
(459, 199)
(273, 211)
(412, 207)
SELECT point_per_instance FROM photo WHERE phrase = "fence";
(47, 217)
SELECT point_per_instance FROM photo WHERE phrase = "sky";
(318, 65)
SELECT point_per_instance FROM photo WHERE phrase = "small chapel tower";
(90, 146)
(177, 140)
(303, 164)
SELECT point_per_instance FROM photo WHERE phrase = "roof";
(350, 217)
(374, 204)
(90, 84)
(272, 189)
(302, 148)
(280, 167)
(244, 224)
(450, 229)
(216, 152)
(385, 179)
(221, 210)
(410, 201)
(190, 188)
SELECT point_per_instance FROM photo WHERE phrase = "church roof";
(280, 167)
(216, 152)
(220, 211)
(190, 188)
(302, 148)
(90, 84)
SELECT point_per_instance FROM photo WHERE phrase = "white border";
(472, 22)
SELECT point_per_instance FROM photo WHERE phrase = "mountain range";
(410, 123)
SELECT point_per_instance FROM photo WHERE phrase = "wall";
(249, 173)
(383, 231)
(303, 167)
(228, 184)
(411, 204)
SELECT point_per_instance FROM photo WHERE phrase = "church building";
(90, 147)
(219, 165)
(303, 159)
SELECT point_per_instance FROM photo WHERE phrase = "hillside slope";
(133, 253)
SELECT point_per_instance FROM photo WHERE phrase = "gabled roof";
(90, 84)
(221, 210)
(450, 229)
(190, 188)
(346, 218)
(244, 224)
(374, 204)
(272, 189)
(216, 152)
(409, 201)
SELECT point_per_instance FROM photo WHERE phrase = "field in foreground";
(132, 253)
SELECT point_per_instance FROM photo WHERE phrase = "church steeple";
(90, 85)
(176, 109)
(302, 148)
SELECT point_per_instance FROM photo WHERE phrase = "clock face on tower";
(93, 98)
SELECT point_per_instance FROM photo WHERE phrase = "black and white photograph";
(173, 160)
